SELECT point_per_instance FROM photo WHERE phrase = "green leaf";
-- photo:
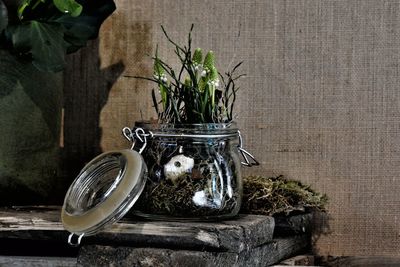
(43, 41)
(86, 26)
(22, 8)
(3, 16)
(157, 68)
(70, 7)
(41, 88)
(28, 6)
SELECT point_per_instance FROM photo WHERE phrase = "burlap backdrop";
(320, 102)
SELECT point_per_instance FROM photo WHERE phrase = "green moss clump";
(270, 196)
(176, 199)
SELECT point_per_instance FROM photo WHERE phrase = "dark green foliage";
(43, 41)
(3, 17)
(197, 92)
(45, 30)
(30, 117)
(69, 6)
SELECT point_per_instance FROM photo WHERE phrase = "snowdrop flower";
(198, 67)
(164, 78)
(214, 83)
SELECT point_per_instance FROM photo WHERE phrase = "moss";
(176, 199)
(270, 196)
(264, 196)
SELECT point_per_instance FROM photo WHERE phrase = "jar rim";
(229, 126)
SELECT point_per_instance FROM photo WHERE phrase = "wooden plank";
(19, 261)
(244, 241)
(299, 260)
(270, 253)
(243, 233)
(293, 225)
(239, 234)
(279, 249)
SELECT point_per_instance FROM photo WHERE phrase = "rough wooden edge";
(299, 260)
(22, 261)
(271, 253)
(293, 225)
(240, 234)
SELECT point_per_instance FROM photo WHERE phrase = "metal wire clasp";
(78, 240)
(133, 136)
(245, 154)
(139, 134)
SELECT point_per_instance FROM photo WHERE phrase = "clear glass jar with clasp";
(193, 171)
(178, 172)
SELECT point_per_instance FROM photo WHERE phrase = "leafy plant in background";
(35, 36)
(197, 92)
(43, 31)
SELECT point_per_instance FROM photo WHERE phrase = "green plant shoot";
(197, 92)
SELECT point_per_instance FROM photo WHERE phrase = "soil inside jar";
(177, 199)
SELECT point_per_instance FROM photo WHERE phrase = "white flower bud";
(214, 83)
(164, 78)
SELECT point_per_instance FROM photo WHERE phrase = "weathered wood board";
(247, 240)
(37, 261)
(264, 255)
(242, 233)
(299, 260)
(293, 225)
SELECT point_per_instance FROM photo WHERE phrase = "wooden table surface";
(35, 231)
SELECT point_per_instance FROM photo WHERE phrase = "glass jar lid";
(103, 192)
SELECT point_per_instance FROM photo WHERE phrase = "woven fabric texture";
(320, 102)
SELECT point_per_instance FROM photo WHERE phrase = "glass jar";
(193, 171)
(178, 172)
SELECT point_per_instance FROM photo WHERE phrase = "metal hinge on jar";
(141, 135)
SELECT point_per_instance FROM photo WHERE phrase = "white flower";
(203, 73)
(197, 67)
(214, 83)
(162, 78)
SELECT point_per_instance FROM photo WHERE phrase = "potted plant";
(35, 36)
(191, 149)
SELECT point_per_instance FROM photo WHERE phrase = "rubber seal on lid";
(104, 191)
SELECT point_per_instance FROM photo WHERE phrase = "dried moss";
(270, 196)
(264, 196)
(176, 199)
